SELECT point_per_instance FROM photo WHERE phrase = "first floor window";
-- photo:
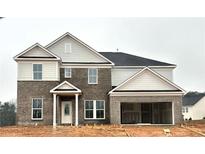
(94, 109)
(37, 108)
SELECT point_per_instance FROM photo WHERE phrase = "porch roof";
(65, 88)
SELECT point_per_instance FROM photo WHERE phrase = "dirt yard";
(195, 130)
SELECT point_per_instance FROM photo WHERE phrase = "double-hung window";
(94, 109)
(67, 72)
(37, 71)
(92, 75)
(37, 109)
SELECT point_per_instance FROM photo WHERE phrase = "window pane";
(67, 72)
(92, 79)
(89, 104)
(67, 110)
(100, 114)
(89, 114)
(99, 104)
(37, 103)
(92, 72)
(35, 67)
(39, 67)
(37, 113)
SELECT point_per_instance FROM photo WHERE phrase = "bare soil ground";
(102, 131)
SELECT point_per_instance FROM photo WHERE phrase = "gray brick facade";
(26, 90)
(40, 89)
(90, 91)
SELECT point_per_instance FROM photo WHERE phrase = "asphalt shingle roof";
(192, 98)
(124, 59)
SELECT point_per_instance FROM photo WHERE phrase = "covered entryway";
(146, 113)
(65, 89)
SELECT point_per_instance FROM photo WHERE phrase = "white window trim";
(65, 72)
(65, 48)
(32, 110)
(94, 110)
(96, 76)
(33, 72)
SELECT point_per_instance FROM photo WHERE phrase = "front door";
(66, 112)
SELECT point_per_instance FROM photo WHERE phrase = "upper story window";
(67, 72)
(37, 71)
(37, 108)
(67, 48)
(92, 76)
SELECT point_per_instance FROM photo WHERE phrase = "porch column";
(173, 120)
(76, 109)
(54, 110)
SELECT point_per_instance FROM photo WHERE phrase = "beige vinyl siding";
(24, 71)
(147, 81)
(120, 75)
(167, 73)
(37, 52)
(50, 70)
(79, 53)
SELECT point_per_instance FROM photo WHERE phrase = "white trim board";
(69, 84)
(153, 72)
(33, 46)
(79, 41)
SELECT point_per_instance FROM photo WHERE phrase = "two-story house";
(68, 82)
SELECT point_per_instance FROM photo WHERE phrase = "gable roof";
(65, 87)
(20, 55)
(124, 59)
(191, 98)
(178, 89)
(81, 42)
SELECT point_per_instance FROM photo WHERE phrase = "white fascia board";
(85, 66)
(65, 82)
(33, 46)
(81, 42)
(146, 94)
(36, 59)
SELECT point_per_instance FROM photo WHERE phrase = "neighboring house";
(194, 106)
(67, 81)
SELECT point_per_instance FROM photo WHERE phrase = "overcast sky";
(174, 40)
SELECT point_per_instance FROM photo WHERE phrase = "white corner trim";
(157, 74)
(81, 42)
(33, 46)
(65, 82)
